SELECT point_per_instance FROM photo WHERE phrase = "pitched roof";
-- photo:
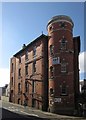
(26, 46)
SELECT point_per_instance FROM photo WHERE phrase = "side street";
(31, 113)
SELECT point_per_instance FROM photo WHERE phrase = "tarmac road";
(8, 115)
(12, 111)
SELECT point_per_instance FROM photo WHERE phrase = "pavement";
(8, 115)
(37, 113)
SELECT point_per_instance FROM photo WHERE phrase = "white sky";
(5, 72)
(4, 76)
(82, 62)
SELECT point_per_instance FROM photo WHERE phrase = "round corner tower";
(61, 64)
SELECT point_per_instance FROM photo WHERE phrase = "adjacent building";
(82, 85)
(0, 92)
(45, 73)
(29, 74)
(5, 92)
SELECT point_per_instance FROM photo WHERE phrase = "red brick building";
(63, 51)
(45, 73)
(29, 74)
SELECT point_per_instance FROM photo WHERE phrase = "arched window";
(63, 44)
(19, 72)
(51, 91)
(63, 66)
(51, 71)
(12, 81)
(26, 86)
(19, 88)
(51, 49)
(34, 67)
(26, 70)
(19, 101)
(12, 67)
(64, 89)
(51, 28)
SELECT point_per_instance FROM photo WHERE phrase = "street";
(8, 115)
(11, 111)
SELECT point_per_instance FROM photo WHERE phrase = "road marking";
(29, 114)
(11, 109)
(5, 108)
(16, 110)
(21, 111)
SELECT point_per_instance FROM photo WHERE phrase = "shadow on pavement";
(8, 115)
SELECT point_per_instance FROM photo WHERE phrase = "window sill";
(51, 95)
(51, 77)
(63, 73)
(64, 94)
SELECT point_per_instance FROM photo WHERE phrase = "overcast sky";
(23, 22)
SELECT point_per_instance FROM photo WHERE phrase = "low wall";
(4, 98)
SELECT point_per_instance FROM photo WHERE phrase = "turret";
(61, 64)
